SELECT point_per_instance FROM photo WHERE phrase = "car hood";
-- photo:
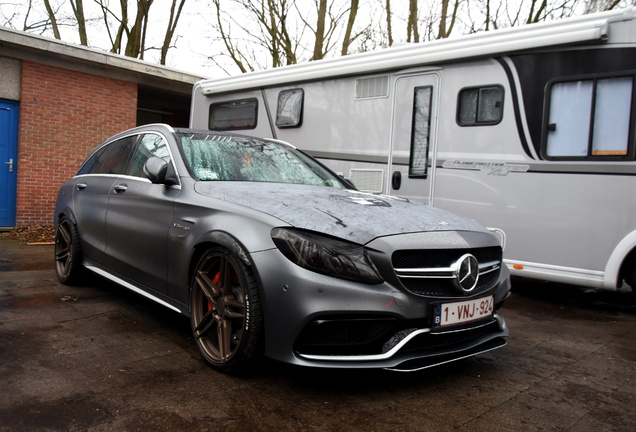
(348, 214)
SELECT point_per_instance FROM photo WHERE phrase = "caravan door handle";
(396, 180)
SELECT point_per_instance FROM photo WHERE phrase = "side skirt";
(130, 286)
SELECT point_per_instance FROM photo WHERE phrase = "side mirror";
(155, 169)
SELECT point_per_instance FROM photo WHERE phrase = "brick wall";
(63, 115)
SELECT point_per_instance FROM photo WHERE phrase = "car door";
(139, 217)
(92, 186)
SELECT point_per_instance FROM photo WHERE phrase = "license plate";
(461, 312)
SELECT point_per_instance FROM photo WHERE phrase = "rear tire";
(226, 314)
(68, 253)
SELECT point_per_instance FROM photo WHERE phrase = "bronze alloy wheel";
(68, 253)
(226, 318)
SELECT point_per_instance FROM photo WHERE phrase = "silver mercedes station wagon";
(269, 253)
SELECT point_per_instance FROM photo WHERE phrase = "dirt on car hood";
(348, 214)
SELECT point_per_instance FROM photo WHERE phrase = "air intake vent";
(374, 87)
(367, 180)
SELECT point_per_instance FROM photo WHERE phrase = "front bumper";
(320, 321)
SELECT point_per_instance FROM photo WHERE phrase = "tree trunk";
(353, 11)
(320, 31)
(51, 14)
(172, 26)
(78, 11)
(136, 34)
(412, 34)
(389, 31)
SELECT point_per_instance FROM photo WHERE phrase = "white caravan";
(530, 129)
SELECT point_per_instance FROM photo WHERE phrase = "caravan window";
(233, 115)
(479, 106)
(589, 118)
(289, 113)
(420, 131)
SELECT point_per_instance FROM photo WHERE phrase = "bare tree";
(389, 30)
(53, 20)
(444, 29)
(135, 45)
(109, 17)
(234, 53)
(260, 25)
(348, 38)
(172, 27)
(412, 33)
(320, 30)
(78, 11)
(259, 34)
(537, 8)
(281, 29)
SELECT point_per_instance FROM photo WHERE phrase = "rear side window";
(111, 159)
(589, 118)
(233, 115)
(479, 106)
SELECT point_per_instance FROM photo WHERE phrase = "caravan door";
(413, 137)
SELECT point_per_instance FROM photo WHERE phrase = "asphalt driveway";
(100, 358)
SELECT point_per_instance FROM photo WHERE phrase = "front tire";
(226, 314)
(68, 252)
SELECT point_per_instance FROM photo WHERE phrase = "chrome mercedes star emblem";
(466, 271)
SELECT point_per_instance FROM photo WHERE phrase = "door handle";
(396, 180)
(80, 186)
(10, 163)
(121, 188)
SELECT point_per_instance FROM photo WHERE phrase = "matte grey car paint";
(146, 237)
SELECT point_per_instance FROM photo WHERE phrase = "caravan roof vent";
(373, 87)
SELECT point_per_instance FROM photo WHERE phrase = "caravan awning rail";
(587, 28)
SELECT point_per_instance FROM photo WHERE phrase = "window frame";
(250, 126)
(477, 122)
(595, 78)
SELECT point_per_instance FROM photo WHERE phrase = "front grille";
(426, 272)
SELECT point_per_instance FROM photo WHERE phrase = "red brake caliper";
(216, 282)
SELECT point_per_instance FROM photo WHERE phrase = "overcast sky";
(194, 41)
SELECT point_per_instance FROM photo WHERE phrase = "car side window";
(149, 145)
(91, 166)
(113, 158)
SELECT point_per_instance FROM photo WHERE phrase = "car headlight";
(326, 255)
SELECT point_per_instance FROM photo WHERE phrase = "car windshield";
(229, 158)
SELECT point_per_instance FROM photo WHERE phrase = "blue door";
(8, 161)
